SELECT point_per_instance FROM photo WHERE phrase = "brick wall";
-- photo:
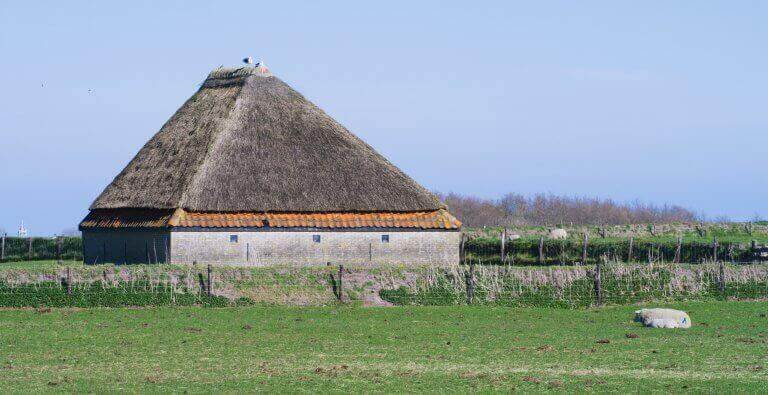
(263, 248)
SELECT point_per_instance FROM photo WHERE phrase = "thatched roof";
(246, 141)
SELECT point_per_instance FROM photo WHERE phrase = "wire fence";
(543, 272)
(575, 286)
(575, 251)
(14, 249)
(584, 286)
(502, 250)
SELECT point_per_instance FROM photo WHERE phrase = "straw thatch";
(246, 141)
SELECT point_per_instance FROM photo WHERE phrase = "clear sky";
(661, 102)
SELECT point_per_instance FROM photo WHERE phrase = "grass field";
(346, 349)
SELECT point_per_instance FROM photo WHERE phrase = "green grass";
(345, 349)
(44, 264)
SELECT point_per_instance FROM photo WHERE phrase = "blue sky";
(661, 102)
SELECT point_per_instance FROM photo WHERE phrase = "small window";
(233, 238)
(385, 238)
(316, 238)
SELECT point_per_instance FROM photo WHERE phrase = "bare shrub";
(546, 209)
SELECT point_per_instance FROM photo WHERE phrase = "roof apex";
(246, 141)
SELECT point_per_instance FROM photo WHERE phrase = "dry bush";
(541, 210)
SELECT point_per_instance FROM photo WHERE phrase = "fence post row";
(584, 249)
(462, 255)
(714, 248)
(629, 252)
(29, 253)
(2, 249)
(678, 249)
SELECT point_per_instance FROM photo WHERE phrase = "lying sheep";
(663, 318)
(558, 234)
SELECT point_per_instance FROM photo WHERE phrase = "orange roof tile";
(439, 219)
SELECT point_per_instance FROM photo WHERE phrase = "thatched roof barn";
(248, 153)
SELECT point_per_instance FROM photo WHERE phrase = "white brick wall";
(263, 248)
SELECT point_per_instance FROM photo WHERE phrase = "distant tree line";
(548, 210)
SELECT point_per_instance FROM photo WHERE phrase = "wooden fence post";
(58, 250)
(154, 248)
(2, 249)
(208, 285)
(650, 254)
(721, 282)
(471, 283)
(69, 280)
(714, 248)
(584, 249)
(29, 253)
(541, 250)
(599, 283)
(341, 286)
(678, 249)
(730, 252)
(462, 255)
(166, 242)
(629, 252)
(503, 241)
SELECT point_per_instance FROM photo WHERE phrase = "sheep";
(558, 234)
(663, 318)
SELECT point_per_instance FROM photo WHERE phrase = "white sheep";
(558, 234)
(663, 318)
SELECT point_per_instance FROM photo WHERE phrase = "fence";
(583, 286)
(533, 286)
(40, 248)
(488, 251)
(83, 286)
(547, 251)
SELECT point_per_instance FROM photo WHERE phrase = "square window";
(233, 238)
(316, 238)
(385, 238)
